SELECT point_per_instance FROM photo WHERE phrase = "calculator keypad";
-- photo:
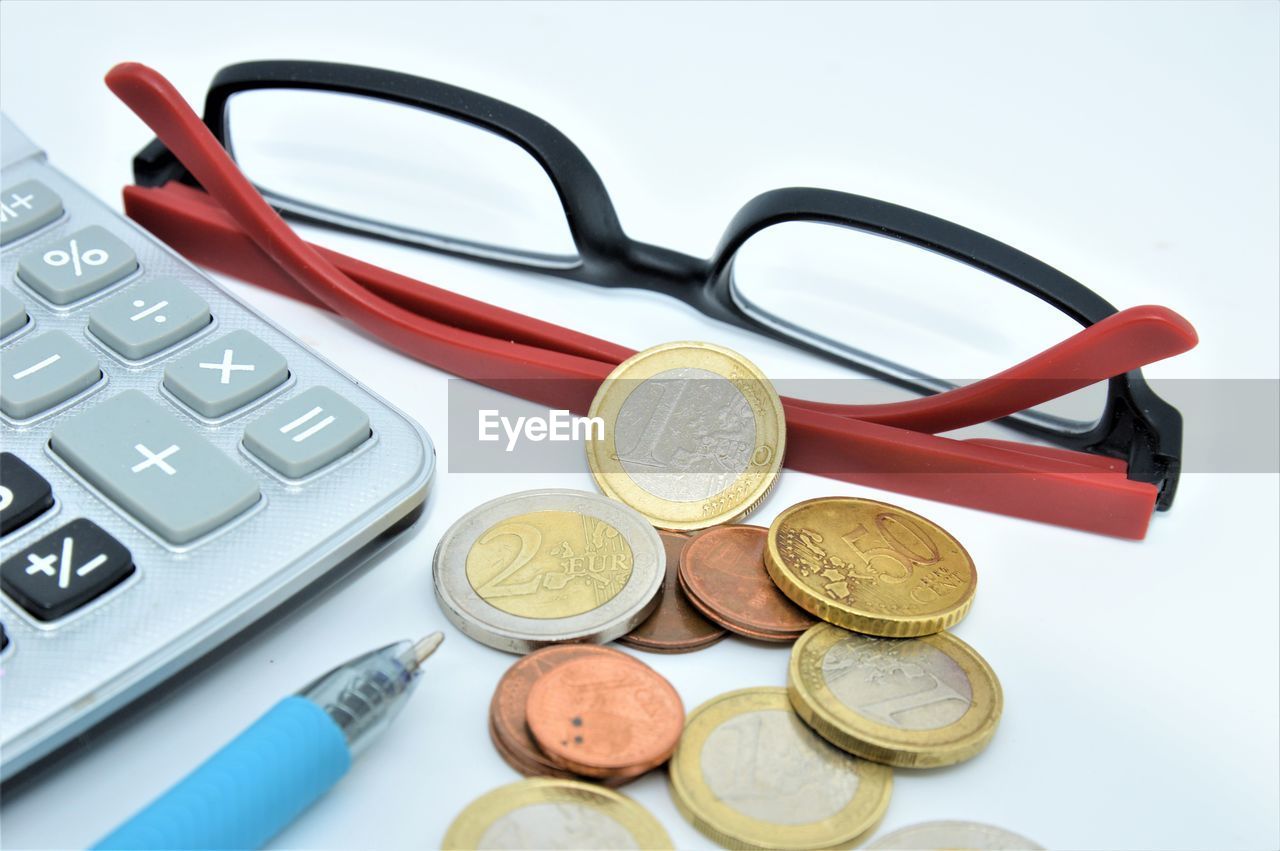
(24, 493)
(65, 569)
(25, 208)
(310, 430)
(146, 439)
(41, 372)
(67, 270)
(13, 314)
(155, 466)
(148, 317)
(228, 373)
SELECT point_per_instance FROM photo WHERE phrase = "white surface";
(1134, 146)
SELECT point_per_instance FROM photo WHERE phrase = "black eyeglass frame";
(1136, 425)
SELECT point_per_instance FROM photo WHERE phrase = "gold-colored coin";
(870, 567)
(543, 813)
(748, 773)
(693, 435)
(549, 564)
(909, 702)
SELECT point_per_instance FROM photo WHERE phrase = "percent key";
(66, 271)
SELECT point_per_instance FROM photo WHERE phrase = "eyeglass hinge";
(155, 165)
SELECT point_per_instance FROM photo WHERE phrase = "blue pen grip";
(250, 790)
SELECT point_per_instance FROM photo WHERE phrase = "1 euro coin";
(953, 834)
(748, 773)
(544, 813)
(693, 435)
(908, 702)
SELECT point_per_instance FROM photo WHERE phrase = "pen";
(258, 783)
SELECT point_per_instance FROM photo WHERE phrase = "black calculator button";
(24, 494)
(66, 569)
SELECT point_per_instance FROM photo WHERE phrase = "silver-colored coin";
(749, 773)
(953, 835)
(559, 825)
(546, 567)
(901, 683)
(799, 779)
(685, 434)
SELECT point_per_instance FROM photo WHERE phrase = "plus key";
(155, 466)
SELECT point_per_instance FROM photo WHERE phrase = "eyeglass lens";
(900, 308)
(403, 172)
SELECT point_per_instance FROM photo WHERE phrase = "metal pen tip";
(424, 648)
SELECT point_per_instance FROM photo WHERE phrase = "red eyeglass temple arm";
(242, 236)
(1125, 341)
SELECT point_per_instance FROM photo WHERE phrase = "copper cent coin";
(724, 574)
(675, 626)
(758, 635)
(605, 715)
(520, 762)
(507, 709)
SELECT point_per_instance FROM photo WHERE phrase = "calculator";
(173, 467)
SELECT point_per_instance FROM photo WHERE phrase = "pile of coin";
(694, 436)
(723, 574)
(863, 702)
(584, 711)
(675, 625)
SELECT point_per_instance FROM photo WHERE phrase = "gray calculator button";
(307, 432)
(37, 374)
(25, 208)
(13, 315)
(76, 266)
(152, 316)
(226, 374)
(155, 466)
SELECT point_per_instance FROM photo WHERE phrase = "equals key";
(310, 430)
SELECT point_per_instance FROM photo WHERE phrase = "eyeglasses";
(856, 280)
(232, 229)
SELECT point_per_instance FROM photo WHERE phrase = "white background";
(1133, 146)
